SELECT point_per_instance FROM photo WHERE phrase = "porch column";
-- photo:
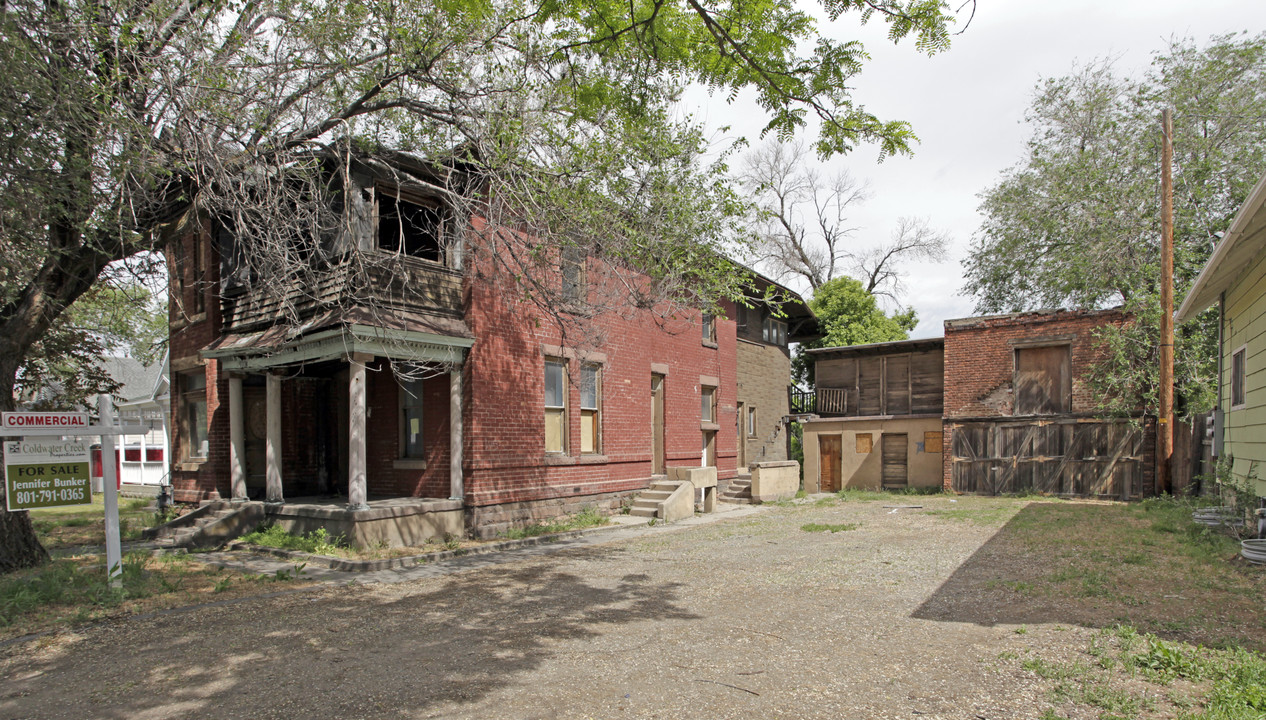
(272, 447)
(455, 485)
(237, 440)
(356, 429)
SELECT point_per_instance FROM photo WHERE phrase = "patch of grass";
(75, 590)
(851, 495)
(317, 542)
(586, 518)
(59, 528)
(1135, 669)
(823, 527)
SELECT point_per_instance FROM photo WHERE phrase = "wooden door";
(255, 416)
(741, 424)
(830, 450)
(657, 424)
(895, 451)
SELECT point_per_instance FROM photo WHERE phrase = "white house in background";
(144, 399)
(1234, 279)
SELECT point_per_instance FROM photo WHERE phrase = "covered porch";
(329, 417)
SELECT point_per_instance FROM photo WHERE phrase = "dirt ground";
(750, 617)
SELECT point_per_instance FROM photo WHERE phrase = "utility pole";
(1165, 423)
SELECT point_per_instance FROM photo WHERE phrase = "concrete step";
(644, 505)
(656, 495)
(644, 512)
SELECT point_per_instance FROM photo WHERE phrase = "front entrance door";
(895, 452)
(741, 422)
(255, 415)
(657, 424)
(830, 451)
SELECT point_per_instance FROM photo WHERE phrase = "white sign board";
(46, 472)
(68, 421)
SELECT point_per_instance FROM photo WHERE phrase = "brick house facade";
(509, 423)
(1020, 414)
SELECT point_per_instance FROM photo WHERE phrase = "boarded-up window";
(932, 441)
(865, 442)
(1237, 377)
(1043, 380)
(555, 406)
(590, 409)
(897, 385)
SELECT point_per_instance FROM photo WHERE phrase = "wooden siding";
(1061, 456)
(401, 283)
(1245, 326)
(896, 384)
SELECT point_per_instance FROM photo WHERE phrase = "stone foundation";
(407, 522)
(489, 521)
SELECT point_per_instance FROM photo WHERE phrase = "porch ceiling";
(254, 352)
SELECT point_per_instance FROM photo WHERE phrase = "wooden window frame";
(407, 401)
(561, 409)
(190, 397)
(1067, 391)
(573, 272)
(444, 232)
(708, 326)
(773, 331)
(708, 394)
(1239, 376)
(751, 421)
(595, 411)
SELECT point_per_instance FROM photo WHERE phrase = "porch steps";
(209, 526)
(647, 502)
(738, 491)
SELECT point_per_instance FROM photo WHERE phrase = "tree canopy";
(850, 315)
(115, 116)
(1077, 223)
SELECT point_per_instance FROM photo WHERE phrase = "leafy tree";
(849, 315)
(116, 118)
(1077, 223)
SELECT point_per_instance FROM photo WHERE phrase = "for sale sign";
(46, 472)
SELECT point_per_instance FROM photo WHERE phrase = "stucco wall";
(862, 470)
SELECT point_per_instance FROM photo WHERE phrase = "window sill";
(592, 459)
(190, 465)
(559, 459)
(709, 426)
(408, 464)
(710, 344)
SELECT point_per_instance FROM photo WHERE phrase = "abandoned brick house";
(1011, 411)
(498, 422)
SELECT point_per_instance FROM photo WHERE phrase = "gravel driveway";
(749, 617)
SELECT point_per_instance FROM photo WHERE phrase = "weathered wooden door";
(657, 424)
(895, 450)
(829, 454)
(741, 424)
(255, 416)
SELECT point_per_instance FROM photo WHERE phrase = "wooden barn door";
(895, 451)
(830, 449)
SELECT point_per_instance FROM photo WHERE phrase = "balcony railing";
(822, 401)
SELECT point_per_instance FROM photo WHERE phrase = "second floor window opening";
(411, 227)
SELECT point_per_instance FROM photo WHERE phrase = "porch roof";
(269, 349)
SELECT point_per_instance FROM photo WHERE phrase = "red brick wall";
(980, 357)
(505, 458)
(503, 386)
(189, 333)
(980, 364)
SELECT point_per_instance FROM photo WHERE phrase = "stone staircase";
(648, 501)
(738, 491)
(209, 526)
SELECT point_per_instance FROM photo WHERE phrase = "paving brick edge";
(342, 565)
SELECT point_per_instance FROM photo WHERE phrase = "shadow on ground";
(1096, 566)
(342, 653)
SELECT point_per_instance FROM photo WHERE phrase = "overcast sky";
(967, 106)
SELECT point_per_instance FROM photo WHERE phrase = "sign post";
(52, 472)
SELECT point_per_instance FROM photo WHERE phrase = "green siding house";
(1234, 279)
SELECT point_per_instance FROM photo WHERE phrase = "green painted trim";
(337, 344)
